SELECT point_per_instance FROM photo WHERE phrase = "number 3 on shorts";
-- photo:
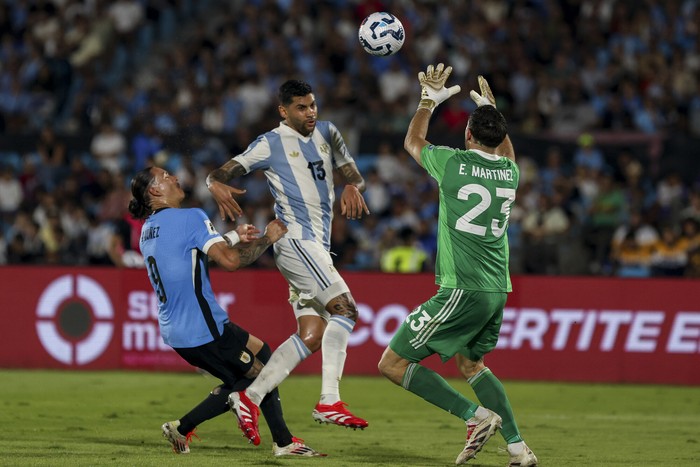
(417, 322)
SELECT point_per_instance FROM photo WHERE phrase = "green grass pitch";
(58, 418)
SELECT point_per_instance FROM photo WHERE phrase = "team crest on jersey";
(244, 357)
(324, 148)
(294, 154)
(210, 227)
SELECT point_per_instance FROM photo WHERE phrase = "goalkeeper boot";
(521, 455)
(180, 443)
(296, 448)
(247, 415)
(479, 430)
(337, 414)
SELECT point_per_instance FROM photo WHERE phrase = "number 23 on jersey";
(498, 226)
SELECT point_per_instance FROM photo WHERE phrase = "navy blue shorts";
(227, 357)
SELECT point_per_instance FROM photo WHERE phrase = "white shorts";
(312, 278)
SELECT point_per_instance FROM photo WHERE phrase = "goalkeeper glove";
(432, 82)
(486, 96)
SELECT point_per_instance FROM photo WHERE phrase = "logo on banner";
(74, 316)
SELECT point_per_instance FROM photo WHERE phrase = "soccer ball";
(381, 34)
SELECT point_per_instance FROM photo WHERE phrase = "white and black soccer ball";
(381, 34)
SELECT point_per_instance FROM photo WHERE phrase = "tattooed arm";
(249, 252)
(353, 176)
(226, 172)
(352, 203)
(217, 183)
(243, 254)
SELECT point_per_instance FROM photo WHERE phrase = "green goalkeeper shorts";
(453, 321)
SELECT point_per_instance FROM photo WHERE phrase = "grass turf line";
(58, 418)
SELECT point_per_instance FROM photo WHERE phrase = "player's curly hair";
(293, 88)
(140, 204)
(488, 126)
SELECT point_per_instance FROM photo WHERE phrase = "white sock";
(334, 347)
(481, 413)
(282, 361)
(516, 448)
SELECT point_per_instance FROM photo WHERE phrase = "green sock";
(492, 395)
(433, 388)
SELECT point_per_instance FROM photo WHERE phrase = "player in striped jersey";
(176, 244)
(298, 159)
(477, 187)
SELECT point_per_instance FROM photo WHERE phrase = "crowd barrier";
(554, 328)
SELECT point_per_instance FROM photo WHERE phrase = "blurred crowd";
(135, 74)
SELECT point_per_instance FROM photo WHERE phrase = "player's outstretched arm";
(352, 203)
(415, 136)
(433, 93)
(505, 149)
(241, 255)
(217, 183)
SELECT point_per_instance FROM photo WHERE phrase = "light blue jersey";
(299, 171)
(174, 243)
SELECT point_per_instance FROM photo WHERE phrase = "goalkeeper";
(477, 187)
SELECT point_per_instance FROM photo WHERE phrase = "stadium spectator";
(376, 194)
(145, 144)
(11, 194)
(588, 155)
(630, 259)
(99, 238)
(109, 146)
(76, 80)
(390, 168)
(692, 210)
(471, 271)
(669, 255)
(299, 158)
(405, 257)
(344, 245)
(645, 235)
(606, 209)
(554, 172)
(190, 319)
(543, 230)
(24, 243)
(690, 230)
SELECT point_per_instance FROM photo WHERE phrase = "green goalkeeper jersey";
(476, 193)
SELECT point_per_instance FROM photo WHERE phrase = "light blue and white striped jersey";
(299, 171)
(174, 243)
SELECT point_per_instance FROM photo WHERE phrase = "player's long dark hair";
(291, 89)
(488, 125)
(139, 206)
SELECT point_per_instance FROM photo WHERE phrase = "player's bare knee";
(312, 341)
(392, 366)
(467, 367)
(387, 369)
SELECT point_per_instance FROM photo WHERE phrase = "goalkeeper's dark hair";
(488, 125)
(140, 204)
(291, 89)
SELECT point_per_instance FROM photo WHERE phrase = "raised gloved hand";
(486, 96)
(432, 82)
